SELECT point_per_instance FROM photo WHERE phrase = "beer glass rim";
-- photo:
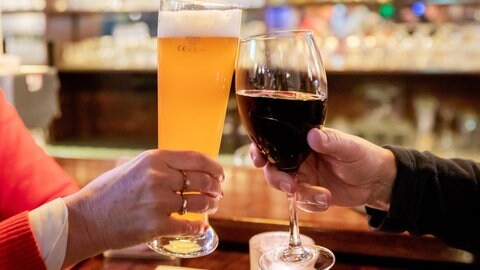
(277, 35)
(212, 3)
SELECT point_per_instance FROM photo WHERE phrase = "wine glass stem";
(295, 251)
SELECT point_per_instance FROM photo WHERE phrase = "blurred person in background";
(402, 189)
(46, 222)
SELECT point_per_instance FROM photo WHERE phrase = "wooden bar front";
(250, 206)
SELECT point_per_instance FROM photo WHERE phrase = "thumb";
(332, 142)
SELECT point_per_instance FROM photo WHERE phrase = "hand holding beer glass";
(197, 43)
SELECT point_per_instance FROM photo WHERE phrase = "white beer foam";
(199, 23)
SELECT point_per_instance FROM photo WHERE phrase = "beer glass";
(197, 44)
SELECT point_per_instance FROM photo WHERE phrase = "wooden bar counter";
(250, 206)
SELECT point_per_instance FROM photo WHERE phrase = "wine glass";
(281, 91)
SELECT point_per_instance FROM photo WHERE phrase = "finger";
(202, 182)
(189, 161)
(279, 180)
(196, 203)
(256, 156)
(175, 227)
(306, 176)
(313, 198)
(168, 179)
(164, 203)
(188, 181)
(333, 142)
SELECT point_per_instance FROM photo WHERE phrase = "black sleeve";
(434, 196)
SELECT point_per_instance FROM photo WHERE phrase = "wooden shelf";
(296, 3)
(72, 71)
(22, 11)
(426, 72)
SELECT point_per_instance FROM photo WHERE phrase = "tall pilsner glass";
(197, 45)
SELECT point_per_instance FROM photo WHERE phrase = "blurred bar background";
(400, 72)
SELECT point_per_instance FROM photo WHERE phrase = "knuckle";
(191, 155)
(152, 174)
(148, 158)
(207, 183)
(156, 179)
(198, 159)
(333, 136)
(149, 154)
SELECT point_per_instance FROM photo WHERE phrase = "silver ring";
(183, 210)
(186, 183)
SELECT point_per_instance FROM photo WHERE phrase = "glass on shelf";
(425, 109)
(107, 5)
(357, 38)
(22, 5)
(468, 142)
(130, 47)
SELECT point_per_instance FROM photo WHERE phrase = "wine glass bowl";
(281, 82)
(281, 91)
(278, 123)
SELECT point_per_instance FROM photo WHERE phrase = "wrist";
(81, 242)
(382, 190)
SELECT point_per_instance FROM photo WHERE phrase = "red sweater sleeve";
(18, 248)
(28, 176)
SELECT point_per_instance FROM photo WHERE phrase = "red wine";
(278, 123)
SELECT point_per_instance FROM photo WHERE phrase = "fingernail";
(220, 196)
(216, 196)
(285, 187)
(203, 229)
(212, 211)
(320, 199)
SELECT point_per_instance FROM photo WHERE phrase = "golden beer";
(194, 77)
(197, 44)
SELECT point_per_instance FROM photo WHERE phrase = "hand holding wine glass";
(343, 170)
(281, 91)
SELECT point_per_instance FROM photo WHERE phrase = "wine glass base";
(317, 258)
(186, 246)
